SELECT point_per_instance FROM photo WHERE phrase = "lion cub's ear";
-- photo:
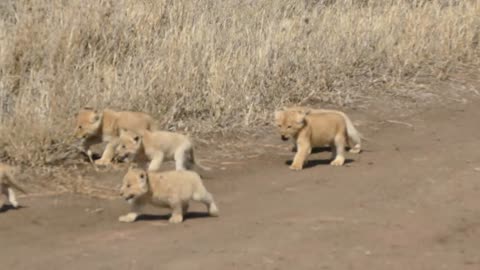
(96, 116)
(137, 139)
(142, 177)
(279, 115)
(300, 118)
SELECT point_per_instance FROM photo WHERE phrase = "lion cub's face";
(135, 184)
(88, 123)
(290, 122)
(129, 145)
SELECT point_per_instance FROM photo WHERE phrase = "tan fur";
(156, 147)
(354, 137)
(94, 127)
(313, 130)
(7, 184)
(171, 189)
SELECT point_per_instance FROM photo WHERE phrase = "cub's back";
(177, 183)
(166, 141)
(136, 121)
(325, 125)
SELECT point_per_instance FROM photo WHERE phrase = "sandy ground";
(409, 201)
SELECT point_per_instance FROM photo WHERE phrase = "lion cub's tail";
(354, 137)
(194, 163)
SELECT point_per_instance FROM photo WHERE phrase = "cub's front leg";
(177, 211)
(12, 198)
(108, 154)
(128, 218)
(133, 215)
(156, 162)
(304, 149)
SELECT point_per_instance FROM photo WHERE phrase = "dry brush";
(205, 65)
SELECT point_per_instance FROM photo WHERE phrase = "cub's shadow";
(8, 207)
(314, 162)
(189, 215)
(316, 150)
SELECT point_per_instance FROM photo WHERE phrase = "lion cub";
(313, 130)
(94, 127)
(156, 147)
(172, 189)
(7, 184)
(354, 137)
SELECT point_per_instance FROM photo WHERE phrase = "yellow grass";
(203, 65)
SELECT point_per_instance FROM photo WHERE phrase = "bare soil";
(409, 201)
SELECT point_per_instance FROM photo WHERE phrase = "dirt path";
(409, 202)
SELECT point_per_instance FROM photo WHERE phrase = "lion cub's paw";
(213, 211)
(355, 150)
(338, 162)
(127, 218)
(14, 204)
(102, 162)
(296, 167)
(175, 219)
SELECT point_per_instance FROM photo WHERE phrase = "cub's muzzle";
(129, 197)
(284, 138)
(123, 157)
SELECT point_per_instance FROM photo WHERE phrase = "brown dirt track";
(409, 201)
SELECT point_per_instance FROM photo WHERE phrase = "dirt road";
(410, 201)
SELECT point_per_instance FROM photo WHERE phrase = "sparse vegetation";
(203, 65)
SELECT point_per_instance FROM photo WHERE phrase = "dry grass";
(204, 65)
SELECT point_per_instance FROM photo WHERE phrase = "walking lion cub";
(7, 184)
(94, 127)
(155, 147)
(354, 137)
(310, 130)
(171, 189)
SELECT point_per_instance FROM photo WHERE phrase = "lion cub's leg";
(304, 149)
(130, 217)
(11, 198)
(338, 150)
(108, 154)
(206, 198)
(133, 215)
(355, 147)
(182, 158)
(177, 212)
(156, 162)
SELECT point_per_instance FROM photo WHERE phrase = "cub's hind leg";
(184, 159)
(338, 150)
(206, 198)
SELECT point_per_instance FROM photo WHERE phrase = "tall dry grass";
(204, 65)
